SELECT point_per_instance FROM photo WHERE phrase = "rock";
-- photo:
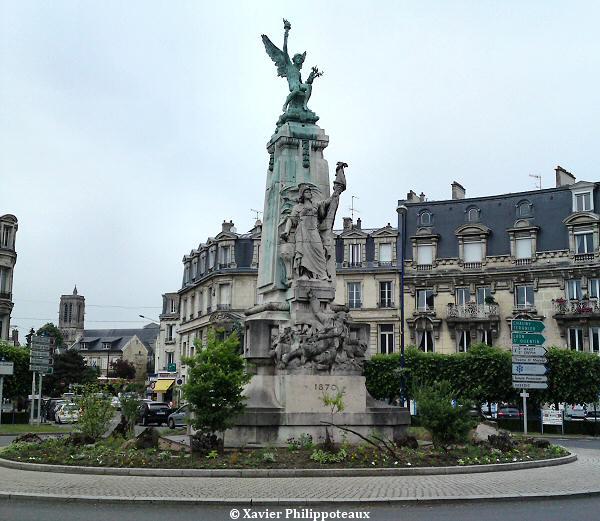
(147, 439)
(501, 441)
(407, 441)
(28, 437)
(483, 431)
(540, 443)
(121, 429)
(174, 446)
(78, 439)
(204, 443)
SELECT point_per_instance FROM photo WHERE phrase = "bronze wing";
(277, 55)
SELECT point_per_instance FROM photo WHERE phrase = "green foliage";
(213, 454)
(322, 456)
(447, 423)
(129, 410)
(268, 456)
(573, 377)
(69, 368)
(50, 329)
(19, 384)
(95, 413)
(216, 377)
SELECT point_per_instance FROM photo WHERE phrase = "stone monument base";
(292, 405)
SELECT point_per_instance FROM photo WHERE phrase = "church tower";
(70, 317)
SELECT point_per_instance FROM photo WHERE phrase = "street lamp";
(401, 246)
(150, 319)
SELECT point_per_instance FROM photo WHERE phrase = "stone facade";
(71, 316)
(8, 259)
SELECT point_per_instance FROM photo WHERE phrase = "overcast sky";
(130, 130)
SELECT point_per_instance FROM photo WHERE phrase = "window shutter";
(472, 252)
(523, 248)
(424, 254)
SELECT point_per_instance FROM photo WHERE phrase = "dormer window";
(582, 202)
(425, 218)
(524, 209)
(6, 237)
(385, 254)
(106, 345)
(355, 254)
(83, 346)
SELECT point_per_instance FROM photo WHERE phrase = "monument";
(300, 344)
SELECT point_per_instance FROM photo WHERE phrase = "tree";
(69, 368)
(216, 378)
(95, 414)
(19, 384)
(123, 369)
(50, 329)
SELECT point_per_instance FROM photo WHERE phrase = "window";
(584, 242)
(106, 345)
(425, 218)
(424, 254)
(576, 338)
(209, 300)
(594, 286)
(6, 233)
(425, 300)
(486, 337)
(354, 254)
(385, 294)
(69, 312)
(354, 295)
(595, 339)
(202, 264)
(211, 258)
(385, 254)
(524, 209)
(463, 296)
(173, 305)
(83, 345)
(472, 252)
(184, 309)
(170, 358)
(524, 296)
(483, 293)
(225, 295)
(574, 289)
(225, 255)
(523, 248)
(186, 275)
(425, 340)
(473, 215)
(4, 276)
(464, 341)
(582, 202)
(170, 328)
(194, 269)
(386, 338)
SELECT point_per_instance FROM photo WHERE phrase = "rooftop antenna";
(538, 183)
(352, 209)
(257, 212)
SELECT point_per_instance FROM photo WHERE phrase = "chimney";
(358, 223)
(15, 337)
(563, 178)
(347, 223)
(422, 197)
(458, 191)
(412, 197)
(227, 226)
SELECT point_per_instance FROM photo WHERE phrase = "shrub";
(95, 413)
(447, 423)
(129, 410)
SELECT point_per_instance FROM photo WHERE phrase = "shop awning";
(163, 385)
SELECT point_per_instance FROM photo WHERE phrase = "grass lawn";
(20, 428)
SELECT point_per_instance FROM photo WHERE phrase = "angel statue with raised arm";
(290, 68)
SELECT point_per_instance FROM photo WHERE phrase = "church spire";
(75, 290)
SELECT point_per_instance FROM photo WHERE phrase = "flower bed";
(297, 455)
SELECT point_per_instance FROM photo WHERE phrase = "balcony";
(577, 308)
(523, 262)
(583, 257)
(473, 311)
(347, 264)
(424, 267)
(385, 304)
(472, 265)
(355, 304)
(223, 307)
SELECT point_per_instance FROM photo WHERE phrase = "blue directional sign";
(529, 369)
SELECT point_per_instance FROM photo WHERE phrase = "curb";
(286, 473)
(250, 502)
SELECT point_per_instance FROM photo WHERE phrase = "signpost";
(6, 369)
(40, 361)
(528, 359)
(552, 417)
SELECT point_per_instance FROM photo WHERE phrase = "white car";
(116, 402)
(67, 413)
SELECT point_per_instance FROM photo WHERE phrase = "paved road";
(573, 478)
(582, 509)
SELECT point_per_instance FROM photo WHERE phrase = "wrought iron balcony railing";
(481, 311)
(576, 307)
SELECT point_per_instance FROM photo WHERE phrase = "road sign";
(529, 378)
(44, 369)
(552, 417)
(6, 368)
(529, 369)
(521, 359)
(528, 339)
(529, 385)
(529, 350)
(527, 326)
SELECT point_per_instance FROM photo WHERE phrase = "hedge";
(484, 375)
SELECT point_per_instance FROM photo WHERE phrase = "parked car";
(575, 412)
(179, 417)
(67, 413)
(116, 402)
(509, 413)
(154, 412)
(51, 406)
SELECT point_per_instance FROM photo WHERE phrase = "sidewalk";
(581, 477)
